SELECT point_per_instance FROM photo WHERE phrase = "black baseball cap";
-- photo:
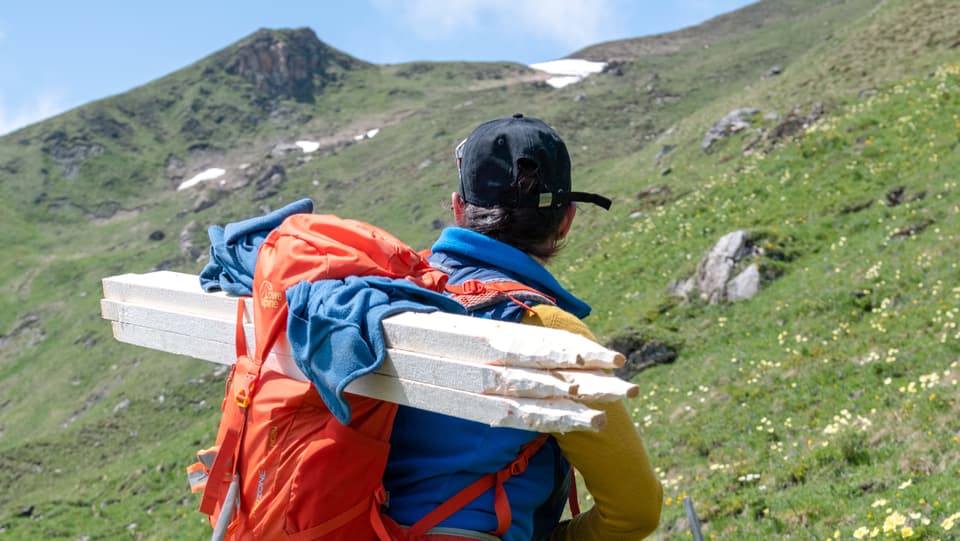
(487, 161)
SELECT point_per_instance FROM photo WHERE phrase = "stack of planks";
(497, 373)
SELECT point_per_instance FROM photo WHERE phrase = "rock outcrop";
(731, 271)
(735, 121)
(69, 153)
(641, 352)
(795, 123)
(286, 64)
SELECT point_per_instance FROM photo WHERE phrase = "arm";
(613, 462)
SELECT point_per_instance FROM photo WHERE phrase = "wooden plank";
(172, 289)
(541, 415)
(219, 329)
(414, 366)
(477, 378)
(599, 386)
(190, 346)
(496, 342)
(203, 348)
(554, 415)
(474, 339)
(169, 311)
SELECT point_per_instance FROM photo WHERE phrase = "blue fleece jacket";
(335, 333)
(233, 249)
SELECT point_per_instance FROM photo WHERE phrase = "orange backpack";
(283, 467)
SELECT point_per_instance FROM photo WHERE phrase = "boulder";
(641, 353)
(714, 270)
(718, 277)
(745, 285)
(735, 121)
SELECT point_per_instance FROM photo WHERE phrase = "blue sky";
(58, 55)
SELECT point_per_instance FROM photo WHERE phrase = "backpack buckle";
(245, 393)
(473, 287)
(242, 398)
(519, 465)
(382, 498)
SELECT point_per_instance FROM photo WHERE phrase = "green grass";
(789, 416)
(834, 386)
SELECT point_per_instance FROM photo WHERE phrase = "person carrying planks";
(513, 209)
(302, 459)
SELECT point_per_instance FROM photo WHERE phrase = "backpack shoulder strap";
(471, 492)
(476, 295)
(240, 388)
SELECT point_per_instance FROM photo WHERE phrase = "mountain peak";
(289, 63)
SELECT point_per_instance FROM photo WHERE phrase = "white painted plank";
(553, 415)
(476, 378)
(218, 328)
(456, 374)
(173, 289)
(599, 386)
(540, 415)
(204, 347)
(169, 311)
(474, 339)
(190, 346)
(495, 342)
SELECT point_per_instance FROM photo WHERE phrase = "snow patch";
(209, 174)
(568, 71)
(369, 134)
(308, 146)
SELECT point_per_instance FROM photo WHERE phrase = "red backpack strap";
(234, 418)
(476, 294)
(494, 480)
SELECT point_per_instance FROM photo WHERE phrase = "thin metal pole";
(226, 511)
(692, 519)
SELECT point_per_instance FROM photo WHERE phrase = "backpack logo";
(269, 299)
(262, 478)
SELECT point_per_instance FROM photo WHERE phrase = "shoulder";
(554, 317)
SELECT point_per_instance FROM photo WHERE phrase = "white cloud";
(44, 106)
(572, 23)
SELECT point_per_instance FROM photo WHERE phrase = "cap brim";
(559, 199)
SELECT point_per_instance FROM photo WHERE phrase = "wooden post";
(502, 374)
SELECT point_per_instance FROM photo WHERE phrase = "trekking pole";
(226, 511)
(692, 519)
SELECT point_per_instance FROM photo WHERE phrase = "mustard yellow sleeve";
(613, 462)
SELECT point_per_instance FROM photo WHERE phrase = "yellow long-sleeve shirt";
(613, 462)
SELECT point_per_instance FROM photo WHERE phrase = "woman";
(513, 209)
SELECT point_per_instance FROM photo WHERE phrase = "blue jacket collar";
(482, 251)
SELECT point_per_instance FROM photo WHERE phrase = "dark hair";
(531, 230)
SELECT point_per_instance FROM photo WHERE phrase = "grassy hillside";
(823, 405)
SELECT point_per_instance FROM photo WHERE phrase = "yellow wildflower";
(893, 521)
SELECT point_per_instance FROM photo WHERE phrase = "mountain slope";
(95, 434)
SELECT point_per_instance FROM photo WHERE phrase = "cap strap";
(585, 197)
(559, 199)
